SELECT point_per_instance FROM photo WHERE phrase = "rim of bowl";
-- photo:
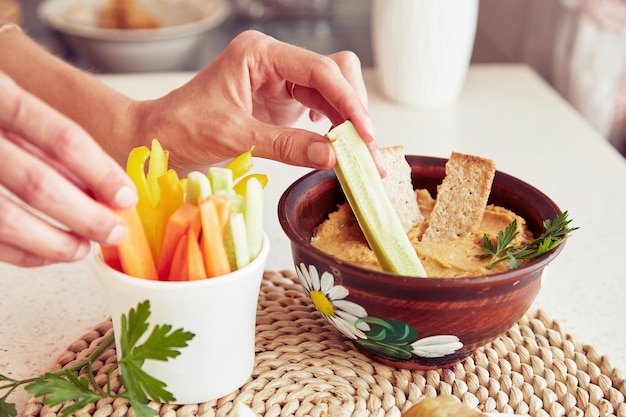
(397, 279)
(48, 11)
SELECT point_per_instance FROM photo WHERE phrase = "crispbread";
(399, 187)
(461, 197)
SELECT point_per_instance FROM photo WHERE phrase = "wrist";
(127, 132)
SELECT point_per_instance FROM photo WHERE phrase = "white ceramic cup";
(422, 48)
(220, 311)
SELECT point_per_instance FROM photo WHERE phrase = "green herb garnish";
(554, 233)
(64, 385)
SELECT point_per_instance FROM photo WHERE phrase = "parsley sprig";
(64, 385)
(554, 233)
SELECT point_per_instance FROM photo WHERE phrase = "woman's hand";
(60, 184)
(249, 96)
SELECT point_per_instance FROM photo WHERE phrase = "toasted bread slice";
(461, 197)
(399, 187)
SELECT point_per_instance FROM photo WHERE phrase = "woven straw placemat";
(304, 367)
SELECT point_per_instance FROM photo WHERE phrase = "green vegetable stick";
(236, 203)
(236, 242)
(198, 187)
(221, 179)
(363, 187)
(254, 216)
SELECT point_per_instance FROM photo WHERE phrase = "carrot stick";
(134, 250)
(177, 225)
(195, 261)
(172, 197)
(179, 270)
(222, 205)
(213, 212)
(111, 257)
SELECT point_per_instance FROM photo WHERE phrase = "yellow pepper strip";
(240, 186)
(150, 220)
(242, 164)
(156, 167)
(172, 197)
(135, 169)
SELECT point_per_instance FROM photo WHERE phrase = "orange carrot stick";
(213, 211)
(111, 257)
(195, 261)
(134, 251)
(172, 197)
(179, 270)
(177, 225)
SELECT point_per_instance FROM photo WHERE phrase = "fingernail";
(315, 116)
(319, 154)
(81, 251)
(380, 161)
(116, 236)
(370, 128)
(126, 197)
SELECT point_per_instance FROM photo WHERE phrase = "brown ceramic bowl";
(409, 322)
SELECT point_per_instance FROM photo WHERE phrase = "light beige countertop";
(506, 113)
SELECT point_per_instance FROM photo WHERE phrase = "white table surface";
(507, 113)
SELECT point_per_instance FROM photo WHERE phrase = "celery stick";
(236, 242)
(363, 187)
(254, 216)
(198, 187)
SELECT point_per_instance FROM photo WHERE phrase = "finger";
(289, 145)
(45, 190)
(12, 255)
(331, 92)
(324, 76)
(28, 240)
(312, 99)
(64, 144)
(350, 66)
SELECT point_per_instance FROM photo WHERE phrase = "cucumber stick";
(363, 187)
(198, 187)
(253, 214)
(236, 242)
(221, 179)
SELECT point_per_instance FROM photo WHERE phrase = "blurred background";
(577, 46)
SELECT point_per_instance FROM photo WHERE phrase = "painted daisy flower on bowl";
(329, 299)
(389, 338)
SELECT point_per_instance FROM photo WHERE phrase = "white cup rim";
(157, 284)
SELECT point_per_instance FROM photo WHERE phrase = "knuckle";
(35, 190)
(326, 65)
(283, 148)
(66, 141)
(347, 60)
(8, 218)
(99, 227)
(249, 40)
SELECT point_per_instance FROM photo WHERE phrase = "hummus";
(341, 236)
